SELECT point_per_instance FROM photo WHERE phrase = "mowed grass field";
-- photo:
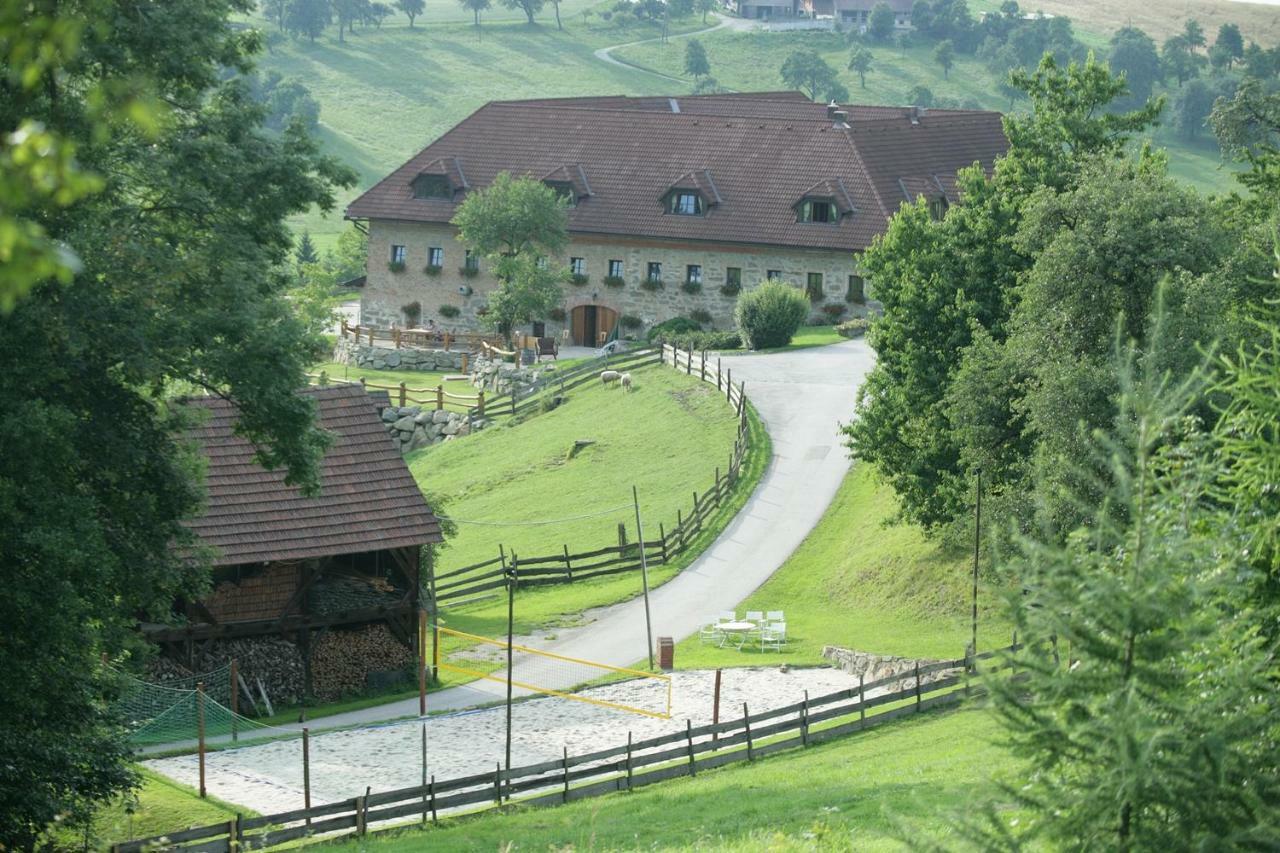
(860, 582)
(894, 788)
(750, 61)
(516, 486)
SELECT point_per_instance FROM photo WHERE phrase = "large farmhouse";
(675, 205)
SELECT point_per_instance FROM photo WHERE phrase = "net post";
(644, 576)
(422, 666)
(746, 724)
(200, 731)
(688, 730)
(235, 701)
(306, 770)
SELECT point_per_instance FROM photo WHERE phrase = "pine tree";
(306, 251)
(1143, 700)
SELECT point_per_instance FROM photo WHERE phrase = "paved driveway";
(802, 396)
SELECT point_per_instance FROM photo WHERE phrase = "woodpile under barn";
(313, 596)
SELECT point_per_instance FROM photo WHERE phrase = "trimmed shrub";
(855, 328)
(630, 321)
(700, 315)
(665, 331)
(412, 312)
(698, 341)
(769, 315)
(449, 311)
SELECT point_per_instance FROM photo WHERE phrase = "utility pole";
(644, 576)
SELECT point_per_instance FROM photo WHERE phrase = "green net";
(170, 712)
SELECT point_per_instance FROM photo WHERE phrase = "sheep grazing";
(607, 376)
(625, 381)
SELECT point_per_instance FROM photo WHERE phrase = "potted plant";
(412, 313)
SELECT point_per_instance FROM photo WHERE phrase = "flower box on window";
(579, 278)
(652, 284)
(613, 281)
(432, 269)
(691, 286)
(468, 272)
(395, 266)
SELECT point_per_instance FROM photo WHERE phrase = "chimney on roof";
(832, 109)
(917, 113)
(840, 118)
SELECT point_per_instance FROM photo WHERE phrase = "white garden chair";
(775, 616)
(774, 634)
(756, 616)
(710, 632)
(728, 616)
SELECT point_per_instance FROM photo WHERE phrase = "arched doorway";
(592, 324)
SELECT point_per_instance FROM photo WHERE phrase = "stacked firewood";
(163, 670)
(271, 660)
(341, 661)
(340, 592)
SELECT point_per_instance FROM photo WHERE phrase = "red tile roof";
(762, 153)
(368, 502)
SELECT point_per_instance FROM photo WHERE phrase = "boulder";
(423, 418)
(393, 359)
(405, 424)
(450, 429)
(389, 415)
(440, 416)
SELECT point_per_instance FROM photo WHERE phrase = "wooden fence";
(566, 567)
(417, 338)
(618, 768)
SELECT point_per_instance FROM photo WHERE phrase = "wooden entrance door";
(592, 324)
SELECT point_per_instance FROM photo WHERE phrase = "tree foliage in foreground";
(1145, 700)
(182, 269)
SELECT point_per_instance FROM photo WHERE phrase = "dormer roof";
(832, 189)
(572, 175)
(698, 181)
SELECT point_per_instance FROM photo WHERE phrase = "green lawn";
(502, 484)
(859, 793)
(861, 583)
(162, 806)
(812, 336)
(750, 62)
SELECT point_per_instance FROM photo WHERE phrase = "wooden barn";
(330, 571)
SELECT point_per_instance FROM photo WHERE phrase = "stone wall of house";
(385, 292)
(347, 351)
(873, 667)
(412, 426)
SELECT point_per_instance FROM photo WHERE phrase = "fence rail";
(617, 768)
(417, 338)
(567, 567)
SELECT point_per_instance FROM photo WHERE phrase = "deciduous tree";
(805, 70)
(945, 55)
(186, 248)
(695, 59)
(860, 62)
(1230, 40)
(476, 7)
(514, 222)
(881, 22)
(529, 7)
(1133, 54)
(412, 9)
(308, 17)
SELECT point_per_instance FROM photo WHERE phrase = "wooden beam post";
(404, 393)
(715, 708)
(439, 397)
(862, 703)
(688, 730)
(746, 723)
(306, 770)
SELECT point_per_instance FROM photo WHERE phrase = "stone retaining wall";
(413, 427)
(385, 358)
(499, 376)
(873, 667)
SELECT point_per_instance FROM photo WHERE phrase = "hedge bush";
(449, 311)
(710, 340)
(769, 315)
(700, 315)
(664, 331)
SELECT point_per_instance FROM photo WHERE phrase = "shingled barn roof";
(368, 500)
(764, 152)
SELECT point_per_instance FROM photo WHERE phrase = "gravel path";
(268, 777)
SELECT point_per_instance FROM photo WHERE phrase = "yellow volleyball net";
(539, 671)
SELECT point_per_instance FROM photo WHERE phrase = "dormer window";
(685, 203)
(938, 208)
(817, 210)
(432, 186)
(565, 191)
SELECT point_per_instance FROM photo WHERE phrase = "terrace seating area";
(766, 629)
